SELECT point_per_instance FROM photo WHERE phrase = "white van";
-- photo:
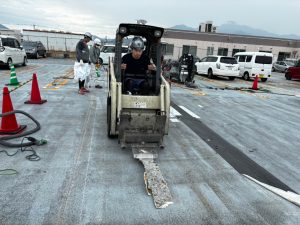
(11, 52)
(109, 51)
(254, 64)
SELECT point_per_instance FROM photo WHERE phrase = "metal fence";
(63, 44)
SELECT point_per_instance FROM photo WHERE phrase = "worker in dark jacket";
(83, 56)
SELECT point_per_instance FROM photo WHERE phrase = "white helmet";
(97, 41)
(88, 34)
(137, 43)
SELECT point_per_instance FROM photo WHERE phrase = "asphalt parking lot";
(85, 178)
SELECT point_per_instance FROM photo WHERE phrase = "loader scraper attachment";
(141, 128)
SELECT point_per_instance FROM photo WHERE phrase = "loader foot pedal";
(156, 184)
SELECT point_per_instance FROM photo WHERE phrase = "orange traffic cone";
(35, 93)
(9, 123)
(255, 83)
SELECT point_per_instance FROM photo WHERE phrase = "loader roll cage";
(153, 36)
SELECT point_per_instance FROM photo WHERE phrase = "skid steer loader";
(138, 120)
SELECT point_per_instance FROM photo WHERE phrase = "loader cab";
(138, 118)
(152, 40)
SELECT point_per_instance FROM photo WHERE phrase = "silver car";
(282, 66)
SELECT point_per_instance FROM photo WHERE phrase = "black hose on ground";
(26, 133)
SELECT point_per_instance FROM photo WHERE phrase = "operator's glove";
(81, 62)
(151, 67)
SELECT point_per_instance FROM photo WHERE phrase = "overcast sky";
(102, 17)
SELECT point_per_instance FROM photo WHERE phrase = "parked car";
(293, 72)
(254, 64)
(109, 51)
(11, 52)
(218, 66)
(34, 49)
(282, 66)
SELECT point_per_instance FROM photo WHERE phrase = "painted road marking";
(288, 195)
(60, 82)
(189, 112)
(173, 114)
(174, 120)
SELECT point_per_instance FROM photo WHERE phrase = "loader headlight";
(157, 33)
(123, 30)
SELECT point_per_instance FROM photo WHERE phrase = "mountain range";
(3, 27)
(234, 28)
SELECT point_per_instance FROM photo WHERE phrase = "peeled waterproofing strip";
(154, 180)
(156, 184)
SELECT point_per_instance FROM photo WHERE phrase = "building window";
(265, 51)
(283, 55)
(223, 51)
(210, 51)
(236, 50)
(167, 49)
(187, 49)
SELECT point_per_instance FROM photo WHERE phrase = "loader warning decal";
(140, 105)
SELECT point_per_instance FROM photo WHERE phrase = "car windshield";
(228, 60)
(29, 44)
(289, 63)
(108, 49)
(263, 59)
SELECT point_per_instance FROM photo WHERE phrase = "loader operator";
(136, 63)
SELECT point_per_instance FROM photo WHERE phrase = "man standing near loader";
(82, 70)
(94, 59)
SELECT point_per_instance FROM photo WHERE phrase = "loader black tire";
(108, 106)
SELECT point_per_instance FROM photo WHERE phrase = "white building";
(201, 44)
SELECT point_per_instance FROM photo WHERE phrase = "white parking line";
(189, 112)
(200, 106)
(174, 120)
(173, 115)
(288, 195)
(174, 112)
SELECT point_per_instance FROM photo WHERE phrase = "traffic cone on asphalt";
(255, 83)
(9, 123)
(35, 93)
(13, 76)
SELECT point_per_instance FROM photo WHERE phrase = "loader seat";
(138, 84)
